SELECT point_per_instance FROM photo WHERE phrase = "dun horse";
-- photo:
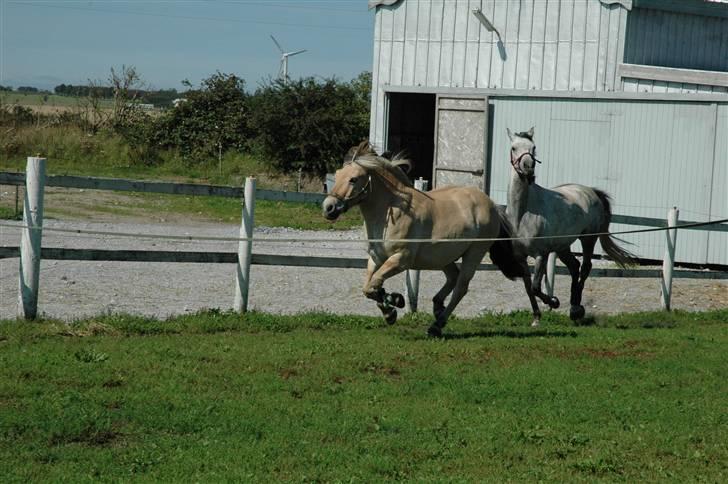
(393, 210)
(569, 209)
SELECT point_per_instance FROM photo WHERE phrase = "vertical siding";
(485, 50)
(669, 39)
(546, 44)
(648, 156)
(718, 242)
(422, 46)
(472, 47)
(411, 33)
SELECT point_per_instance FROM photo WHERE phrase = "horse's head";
(352, 185)
(364, 172)
(523, 154)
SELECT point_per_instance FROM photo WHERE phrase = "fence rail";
(199, 257)
(169, 188)
(30, 261)
(194, 189)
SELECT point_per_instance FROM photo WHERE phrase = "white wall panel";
(648, 156)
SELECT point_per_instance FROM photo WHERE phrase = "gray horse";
(572, 210)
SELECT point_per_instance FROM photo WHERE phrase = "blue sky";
(44, 43)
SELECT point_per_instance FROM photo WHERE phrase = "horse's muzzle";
(333, 207)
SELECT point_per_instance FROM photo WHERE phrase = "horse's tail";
(620, 255)
(501, 252)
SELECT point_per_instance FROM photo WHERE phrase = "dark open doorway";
(412, 130)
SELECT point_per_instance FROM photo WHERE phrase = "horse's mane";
(365, 156)
(524, 134)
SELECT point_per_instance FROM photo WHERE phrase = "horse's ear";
(510, 135)
(403, 164)
(530, 132)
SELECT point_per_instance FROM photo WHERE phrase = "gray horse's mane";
(365, 156)
(524, 134)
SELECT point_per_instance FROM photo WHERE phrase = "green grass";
(316, 397)
(71, 152)
(304, 216)
(40, 99)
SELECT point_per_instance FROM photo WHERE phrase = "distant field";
(37, 100)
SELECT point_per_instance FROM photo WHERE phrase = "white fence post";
(30, 239)
(412, 278)
(245, 248)
(669, 259)
(550, 274)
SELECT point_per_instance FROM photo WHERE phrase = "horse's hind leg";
(471, 259)
(438, 302)
(571, 262)
(538, 273)
(587, 247)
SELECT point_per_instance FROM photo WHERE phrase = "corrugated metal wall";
(649, 156)
(671, 39)
(546, 44)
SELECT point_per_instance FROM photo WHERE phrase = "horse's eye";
(513, 149)
(352, 180)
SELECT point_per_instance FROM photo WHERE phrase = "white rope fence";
(32, 228)
(192, 238)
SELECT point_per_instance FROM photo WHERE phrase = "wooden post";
(30, 238)
(245, 248)
(412, 278)
(550, 274)
(669, 259)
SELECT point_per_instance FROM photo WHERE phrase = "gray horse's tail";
(501, 252)
(618, 254)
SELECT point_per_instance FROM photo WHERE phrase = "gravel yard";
(71, 289)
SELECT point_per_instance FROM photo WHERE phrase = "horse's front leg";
(539, 270)
(373, 285)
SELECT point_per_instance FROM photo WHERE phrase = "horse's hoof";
(535, 323)
(434, 331)
(576, 312)
(395, 299)
(554, 303)
(391, 316)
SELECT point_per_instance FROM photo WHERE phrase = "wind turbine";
(283, 70)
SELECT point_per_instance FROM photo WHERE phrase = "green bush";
(309, 124)
(213, 118)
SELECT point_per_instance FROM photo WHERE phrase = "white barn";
(630, 96)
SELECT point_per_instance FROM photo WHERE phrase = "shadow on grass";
(586, 321)
(510, 333)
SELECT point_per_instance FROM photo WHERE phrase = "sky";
(44, 43)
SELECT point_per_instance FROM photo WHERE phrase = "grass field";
(314, 397)
(40, 99)
(71, 152)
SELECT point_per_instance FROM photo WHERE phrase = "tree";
(309, 124)
(213, 118)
